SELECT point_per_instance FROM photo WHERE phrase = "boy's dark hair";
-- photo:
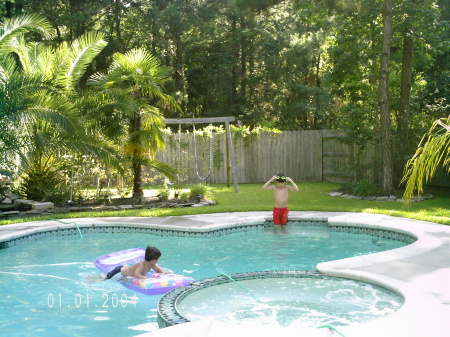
(152, 253)
(281, 178)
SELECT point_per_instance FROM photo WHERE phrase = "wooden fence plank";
(302, 155)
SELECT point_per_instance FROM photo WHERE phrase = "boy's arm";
(294, 187)
(138, 271)
(266, 185)
(158, 269)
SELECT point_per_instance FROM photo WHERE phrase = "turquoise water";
(305, 302)
(49, 287)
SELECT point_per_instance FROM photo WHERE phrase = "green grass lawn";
(311, 197)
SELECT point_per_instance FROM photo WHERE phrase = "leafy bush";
(364, 188)
(201, 189)
(124, 192)
(184, 196)
(42, 183)
(164, 194)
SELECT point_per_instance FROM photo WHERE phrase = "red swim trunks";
(280, 216)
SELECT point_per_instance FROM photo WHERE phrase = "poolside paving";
(419, 271)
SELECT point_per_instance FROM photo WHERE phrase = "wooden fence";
(343, 162)
(319, 155)
(301, 155)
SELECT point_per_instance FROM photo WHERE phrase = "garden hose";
(68, 223)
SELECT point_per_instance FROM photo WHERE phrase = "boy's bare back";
(141, 268)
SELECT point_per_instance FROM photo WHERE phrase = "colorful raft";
(156, 284)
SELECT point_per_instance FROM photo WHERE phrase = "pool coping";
(420, 272)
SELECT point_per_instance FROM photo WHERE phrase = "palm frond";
(110, 99)
(79, 55)
(166, 169)
(170, 101)
(433, 151)
(149, 140)
(161, 167)
(152, 118)
(104, 150)
(98, 79)
(36, 59)
(23, 23)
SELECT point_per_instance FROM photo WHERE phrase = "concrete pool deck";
(420, 271)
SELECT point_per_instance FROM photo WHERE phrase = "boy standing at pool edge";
(280, 192)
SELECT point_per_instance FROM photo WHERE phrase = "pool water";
(302, 302)
(49, 287)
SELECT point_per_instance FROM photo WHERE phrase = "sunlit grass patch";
(313, 196)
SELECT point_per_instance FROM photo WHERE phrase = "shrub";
(164, 194)
(201, 189)
(184, 196)
(364, 188)
(44, 184)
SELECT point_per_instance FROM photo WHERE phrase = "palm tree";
(433, 151)
(133, 83)
(37, 82)
(42, 110)
(12, 84)
(55, 73)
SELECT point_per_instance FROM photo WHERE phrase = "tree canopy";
(288, 64)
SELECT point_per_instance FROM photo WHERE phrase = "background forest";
(376, 69)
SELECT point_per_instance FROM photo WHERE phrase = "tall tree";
(417, 27)
(386, 144)
(136, 80)
(290, 64)
(402, 116)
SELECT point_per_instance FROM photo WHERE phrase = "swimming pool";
(46, 290)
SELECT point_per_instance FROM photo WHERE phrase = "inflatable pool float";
(155, 284)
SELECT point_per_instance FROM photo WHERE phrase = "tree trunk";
(179, 64)
(317, 107)
(386, 147)
(405, 92)
(243, 59)
(234, 71)
(137, 181)
(402, 116)
(251, 69)
(375, 83)
(179, 54)
(117, 25)
(136, 153)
